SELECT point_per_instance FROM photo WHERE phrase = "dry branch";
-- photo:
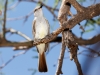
(80, 41)
(14, 56)
(46, 6)
(13, 31)
(4, 19)
(62, 17)
(61, 57)
(89, 13)
(13, 6)
(21, 17)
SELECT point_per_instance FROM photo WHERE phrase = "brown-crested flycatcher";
(40, 30)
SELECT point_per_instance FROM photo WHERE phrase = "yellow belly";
(41, 32)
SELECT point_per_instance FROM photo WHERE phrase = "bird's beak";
(41, 5)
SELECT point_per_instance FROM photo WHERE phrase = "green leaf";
(1, 4)
(98, 21)
(89, 30)
(56, 3)
(90, 22)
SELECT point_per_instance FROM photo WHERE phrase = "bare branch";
(48, 7)
(94, 10)
(14, 56)
(4, 19)
(21, 17)
(92, 51)
(61, 57)
(62, 16)
(39, 1)
(28, 44)
(77, 6)
(90, 41)
(13, 6)
(19, 33)
(78, 65)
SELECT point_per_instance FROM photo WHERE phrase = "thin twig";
(92, 51)
(39, 1)
(94, 2)
(4, 20)
(13, 6)
(21, 17)
(13, 31)
(48, 7)
(14, 56)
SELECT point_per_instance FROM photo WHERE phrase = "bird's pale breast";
(41, 30)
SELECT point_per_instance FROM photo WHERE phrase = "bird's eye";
(35, 10)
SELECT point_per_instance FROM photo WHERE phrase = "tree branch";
(21, 17)
(13, 6)
(19, 33)
(78, 65)
(62, 16)
(48, 7)
(4, 19)
(14, 56)
(94, 10)
(41, 3)
(80, 41)
(61, 57)
(77, 6)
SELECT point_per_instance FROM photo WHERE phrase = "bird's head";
(38, 11)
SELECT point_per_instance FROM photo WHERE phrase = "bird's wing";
(48, 26)
(33, 27)
(34, 31)
(47, 44)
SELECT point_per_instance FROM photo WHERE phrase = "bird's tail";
(42, 67)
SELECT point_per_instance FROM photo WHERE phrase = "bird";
(40, 29)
